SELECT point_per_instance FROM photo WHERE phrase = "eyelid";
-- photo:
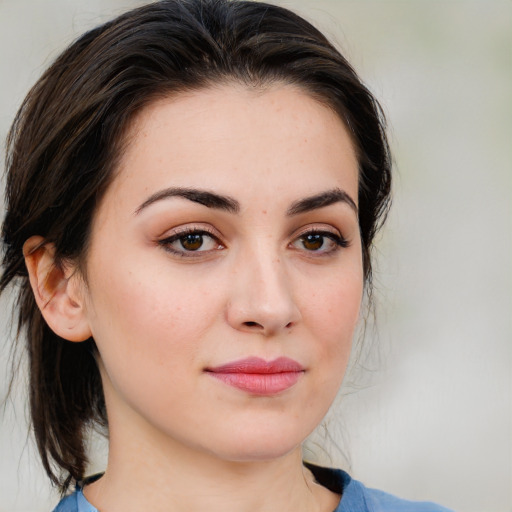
(172, 235)
(318, 229)
(325, 230)
(189, 227)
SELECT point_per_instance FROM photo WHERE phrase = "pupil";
(192, 242)
(313, 242)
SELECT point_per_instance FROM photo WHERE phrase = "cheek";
(333, 316)
(148, 330)
(336, 307)
(146, 317)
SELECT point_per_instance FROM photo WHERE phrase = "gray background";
(431, 415)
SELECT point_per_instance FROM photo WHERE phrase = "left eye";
(319, 242)
(189, 242)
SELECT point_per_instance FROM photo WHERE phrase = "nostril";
(252, 324)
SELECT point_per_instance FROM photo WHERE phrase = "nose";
(261, 299)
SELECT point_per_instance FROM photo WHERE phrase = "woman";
(210, 176)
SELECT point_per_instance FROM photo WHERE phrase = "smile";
(259, 377)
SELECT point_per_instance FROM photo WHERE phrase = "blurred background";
(428, 413)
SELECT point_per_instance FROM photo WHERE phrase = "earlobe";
(55, 290)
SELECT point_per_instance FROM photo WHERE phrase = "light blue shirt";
(355, 497)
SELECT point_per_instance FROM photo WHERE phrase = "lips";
(257, 376)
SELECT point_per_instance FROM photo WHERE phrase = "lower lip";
(260, 383)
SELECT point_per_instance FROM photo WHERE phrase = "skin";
(162, 315)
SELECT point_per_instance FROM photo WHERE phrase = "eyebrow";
(208, 199)
(321, 200)
(231, 205)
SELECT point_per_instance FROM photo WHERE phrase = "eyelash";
(166, 243)
(338, 240)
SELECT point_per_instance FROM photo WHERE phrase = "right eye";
(190, 243)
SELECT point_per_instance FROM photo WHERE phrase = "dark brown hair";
(67, 136)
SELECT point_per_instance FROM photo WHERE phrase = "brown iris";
(312, 242)
(192, 241)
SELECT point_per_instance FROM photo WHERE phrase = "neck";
(150, 470)
(174, 478)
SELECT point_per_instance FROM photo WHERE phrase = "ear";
(57, 291)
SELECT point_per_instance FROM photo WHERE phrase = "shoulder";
(75, 502)
(379, 501)
(356, 497)
(67, 504)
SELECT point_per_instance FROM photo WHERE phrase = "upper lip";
(258, 365)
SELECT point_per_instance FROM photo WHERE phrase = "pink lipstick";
(257, 376)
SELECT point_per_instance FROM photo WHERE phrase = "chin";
(261, 442)
(265, 452)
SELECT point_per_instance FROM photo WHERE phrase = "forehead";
(238, 138)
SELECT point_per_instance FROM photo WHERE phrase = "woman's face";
(224, 275)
